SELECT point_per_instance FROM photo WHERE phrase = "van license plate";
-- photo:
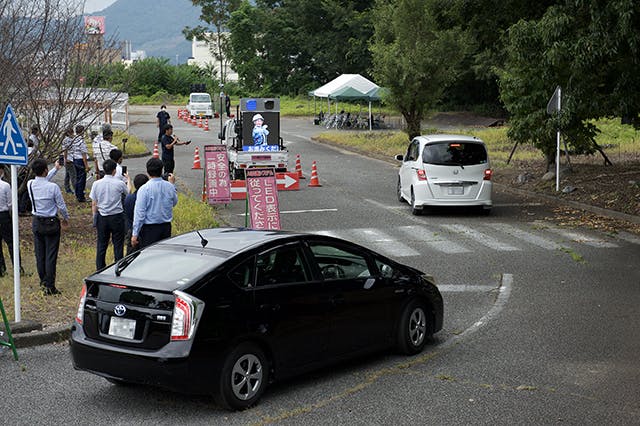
(456, 190)
(122, 327)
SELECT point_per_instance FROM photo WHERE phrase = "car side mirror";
(400, 157)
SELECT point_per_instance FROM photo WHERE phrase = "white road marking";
(506, 282)
(383, 242)
(461, 288)
(432, 239)
(525, 236)
(580, 238)
(301, 211)
(481, 238)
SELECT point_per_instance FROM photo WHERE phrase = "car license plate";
(455, 190)
(122, 327)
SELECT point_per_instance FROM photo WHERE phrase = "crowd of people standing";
(121, 216)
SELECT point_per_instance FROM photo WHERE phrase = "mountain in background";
(154, 26)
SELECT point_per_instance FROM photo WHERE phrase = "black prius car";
(226, 311)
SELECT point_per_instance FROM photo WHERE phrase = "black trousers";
(6, 235)
(81, 179)
(109, 227)
(46, 250)
(169, 165)
(150, 234)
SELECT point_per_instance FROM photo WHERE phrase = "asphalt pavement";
(29, 333)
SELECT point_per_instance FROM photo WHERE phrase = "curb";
(568, 203)
(28, 334)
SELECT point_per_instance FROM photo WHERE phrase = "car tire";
(243, 377)
(399, 191)
(414, 210)
(413, 328)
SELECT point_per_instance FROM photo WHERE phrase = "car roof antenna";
(203, 240)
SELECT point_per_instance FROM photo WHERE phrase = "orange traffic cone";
(206, 125)
(314, 176)
(299, 167)
(196, 160)
(156, 154)
(195, 121)
(200, 122)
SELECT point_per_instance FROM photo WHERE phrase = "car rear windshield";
(454, 153)
(166, 265)
(201, 98)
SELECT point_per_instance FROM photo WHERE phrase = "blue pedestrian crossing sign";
(13, 149)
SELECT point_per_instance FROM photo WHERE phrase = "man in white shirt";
(6, 226)
(106, 204)
(102, 146)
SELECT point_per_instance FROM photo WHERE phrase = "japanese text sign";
(263, 198)
(217, 174)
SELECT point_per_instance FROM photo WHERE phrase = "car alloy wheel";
(244, 377)
(413, 328)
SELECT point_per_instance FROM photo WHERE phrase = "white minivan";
(200, 105)
(445, 170)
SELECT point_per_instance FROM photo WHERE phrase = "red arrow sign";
(288, 181)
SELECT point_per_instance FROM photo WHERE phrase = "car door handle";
(270, 307)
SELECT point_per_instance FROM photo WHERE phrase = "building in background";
(202, 56)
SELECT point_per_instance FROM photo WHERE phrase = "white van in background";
(200, 105)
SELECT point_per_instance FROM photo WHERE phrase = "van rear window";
(201, 98)
(454, 153)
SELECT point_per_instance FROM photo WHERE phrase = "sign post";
(13, 151)
(217, 174)
(554, 105)
(262, 198)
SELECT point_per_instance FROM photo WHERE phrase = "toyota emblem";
(456, 171)
(120, 310)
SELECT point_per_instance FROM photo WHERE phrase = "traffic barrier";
(156, 154)
(196, 160)
(238, 189)
(299, 167)
(287, 181)
(314, 176)
(206, 125)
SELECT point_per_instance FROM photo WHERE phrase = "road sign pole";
(16, 241)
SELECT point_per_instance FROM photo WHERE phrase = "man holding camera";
(169, 141)
(153, 212)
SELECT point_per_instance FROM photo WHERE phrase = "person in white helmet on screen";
(260, 131)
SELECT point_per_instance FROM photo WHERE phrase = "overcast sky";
(91, 6)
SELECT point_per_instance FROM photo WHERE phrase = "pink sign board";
(94, 24)
(217, 174)
(263, 198)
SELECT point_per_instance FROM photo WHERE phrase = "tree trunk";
(413, 124)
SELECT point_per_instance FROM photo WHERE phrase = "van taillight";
(421, 174)
(487, 174)
(83, 298)
(185, 315)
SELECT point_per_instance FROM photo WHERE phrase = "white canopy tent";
(348, 86)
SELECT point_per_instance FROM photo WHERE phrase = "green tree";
(216, 13)
(590, 49)
(412, 59)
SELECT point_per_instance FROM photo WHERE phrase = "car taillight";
(487, 174)
(421, 174)
(83, 298)
(185, 315)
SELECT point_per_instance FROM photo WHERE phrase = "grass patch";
(76, 259)
(575, 256)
